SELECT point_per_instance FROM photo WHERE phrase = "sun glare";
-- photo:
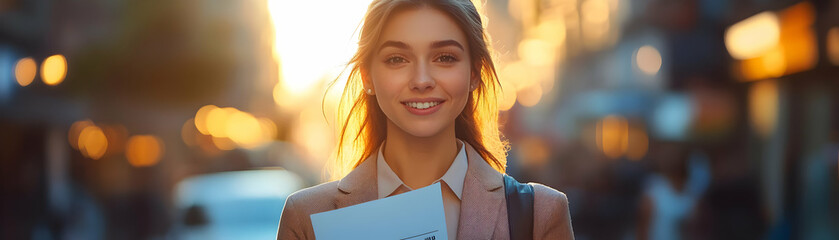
(313, 41)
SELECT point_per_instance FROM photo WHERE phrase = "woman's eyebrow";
(444, 43)
(395, 44)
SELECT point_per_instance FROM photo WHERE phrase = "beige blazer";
(483, 209)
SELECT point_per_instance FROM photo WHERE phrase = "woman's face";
(420, 72)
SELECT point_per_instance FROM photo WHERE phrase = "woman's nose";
(422, 80)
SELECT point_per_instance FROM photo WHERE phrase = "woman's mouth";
(422, 107)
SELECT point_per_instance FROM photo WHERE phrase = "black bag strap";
(519, 208)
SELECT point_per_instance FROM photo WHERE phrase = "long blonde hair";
(363, 125)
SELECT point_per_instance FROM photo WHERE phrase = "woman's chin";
(423, 129)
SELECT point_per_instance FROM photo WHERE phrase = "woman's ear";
(366, 81)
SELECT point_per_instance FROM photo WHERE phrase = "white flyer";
(414, 215)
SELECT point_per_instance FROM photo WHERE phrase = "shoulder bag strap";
(519, 208)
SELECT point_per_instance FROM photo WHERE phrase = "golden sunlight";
(312, 48)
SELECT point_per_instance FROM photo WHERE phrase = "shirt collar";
(388, 181)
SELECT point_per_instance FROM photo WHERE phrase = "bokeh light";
(268, 129)
(793, 50)
(798, 42)
(672, 117)
(189, 132)
(144, 150)
(244, 129)
(92, 142)
(54, 69)
(753, 36)
(613, 136)
(223, 143)
(508, 98)
(595, 24)
(832, 45)
(201, 118)
(227, 129)
(763, 106)
(530, 96)
(76, 130)
(648, 59)
(217, 121)
(25, 71)
(537, 52)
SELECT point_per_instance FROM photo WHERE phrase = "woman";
(422, 110)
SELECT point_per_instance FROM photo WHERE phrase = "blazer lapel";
(482, 201)
(359, 185)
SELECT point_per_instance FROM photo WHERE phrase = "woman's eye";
(395, 60)
(447, 59)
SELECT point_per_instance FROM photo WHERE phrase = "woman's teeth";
(421, 105)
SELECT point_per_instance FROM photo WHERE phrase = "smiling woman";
(420, 109)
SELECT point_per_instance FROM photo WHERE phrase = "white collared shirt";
(390, 184)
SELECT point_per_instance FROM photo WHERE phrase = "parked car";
(232, 205)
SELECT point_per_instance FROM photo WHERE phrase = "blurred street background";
(195, 119)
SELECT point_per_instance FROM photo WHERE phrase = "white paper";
(414, 215)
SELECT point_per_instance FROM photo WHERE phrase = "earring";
(369, 91)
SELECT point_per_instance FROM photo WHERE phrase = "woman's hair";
(363, 124)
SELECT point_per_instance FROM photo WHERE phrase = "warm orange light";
(552, 30)
(595, 11)
(269, 129)
(508, 98)
(205, 143)
(795, 49)
(772, 64)
(244, 129)
(753, 36)
(530, 96)
(25, 71)
(613, 136)
(75, 131)
(832, 45)
(92, 142)
(301, 72)
(537, 52)
(217, 121)
(763, 106)
(798, 38)
(595, 24)
(648, 59)
(54, 69)
(201, 118)
(144, 150)
(223, 143)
